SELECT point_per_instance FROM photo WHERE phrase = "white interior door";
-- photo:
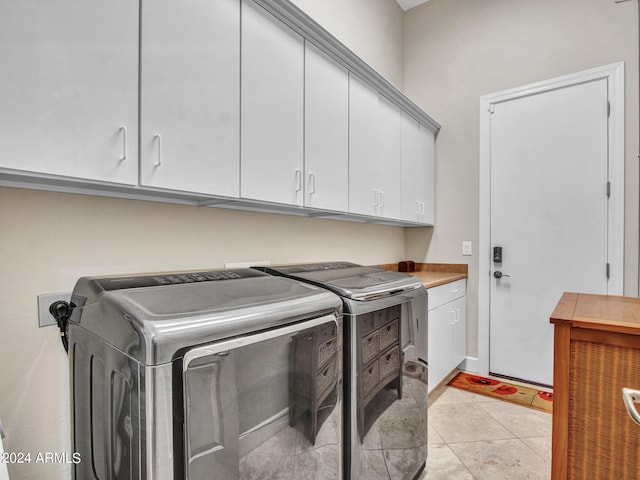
(549, 213)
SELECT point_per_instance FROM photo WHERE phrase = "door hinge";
(608, 189)
(608, 271)
(608, 109)
(492, 108)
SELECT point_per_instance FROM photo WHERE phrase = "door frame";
(614, 74)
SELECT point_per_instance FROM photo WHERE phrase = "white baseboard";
(469, 364)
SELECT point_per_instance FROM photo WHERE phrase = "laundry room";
(117, 158)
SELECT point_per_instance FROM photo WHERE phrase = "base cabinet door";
(459, 353)
(447, 324)
(272, 112)
(190, 96)
(69, 76)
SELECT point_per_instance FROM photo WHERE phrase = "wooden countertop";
(433, 279)
(434, 274)
(598, 312)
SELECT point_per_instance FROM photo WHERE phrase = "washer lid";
(351, 280)
(152, 320)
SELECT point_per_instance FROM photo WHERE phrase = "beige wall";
(48, 240)
(373, 29)
(458, 50)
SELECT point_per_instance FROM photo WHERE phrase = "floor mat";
(526, 396)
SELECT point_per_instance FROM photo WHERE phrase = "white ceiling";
(407, 4)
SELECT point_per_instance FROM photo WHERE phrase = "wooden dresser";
(316, 367)
(597, 352)
(379, 357)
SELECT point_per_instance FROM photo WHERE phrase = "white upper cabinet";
(272, 109)
(363, 148)
(69, 88)
(417, 172)
(374, 152)
(389, 139)
(326, 132)
(190, 96)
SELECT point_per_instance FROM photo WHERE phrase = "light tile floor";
(474, 437)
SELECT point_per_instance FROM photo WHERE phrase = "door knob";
(498, 274)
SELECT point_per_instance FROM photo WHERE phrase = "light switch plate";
(45, 318)
(466, 248)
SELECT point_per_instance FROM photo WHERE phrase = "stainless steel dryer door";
(265, 405)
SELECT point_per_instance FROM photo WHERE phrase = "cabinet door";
(272, 109)
(389, 140)
(417, 172)
(326, 132)
(434, 347)
(446, 322)
(69, 76)
(363, 154)
(374, 152)
(190, 95)
(459, 331)
(427, 185)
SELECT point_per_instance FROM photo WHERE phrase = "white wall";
(458, 50)
(48, 240)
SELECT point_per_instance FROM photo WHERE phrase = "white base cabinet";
(447, 329)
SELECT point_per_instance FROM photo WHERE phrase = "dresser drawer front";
(326, 378)
(326, 350)
(370, 346)
(370, 378)
(389, 334)
(389, 362)
(327, 332)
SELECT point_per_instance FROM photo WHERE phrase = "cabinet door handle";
(123, 129)
(421, 208)
(298, 180)
(453, 317)
(418, 209)
(158, 138)
(312, 183)
(630, 397)
(381, 199)
(376, 195)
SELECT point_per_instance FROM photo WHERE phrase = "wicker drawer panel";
(326, 351)
(327, 332)
(370, 346)
(389, 362)
(326, 378)
(365, 323)
(604, 443)
(389, 334)
(370, 377)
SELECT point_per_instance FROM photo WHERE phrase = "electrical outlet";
(466, 248)
(257, 263)
(45, 318)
